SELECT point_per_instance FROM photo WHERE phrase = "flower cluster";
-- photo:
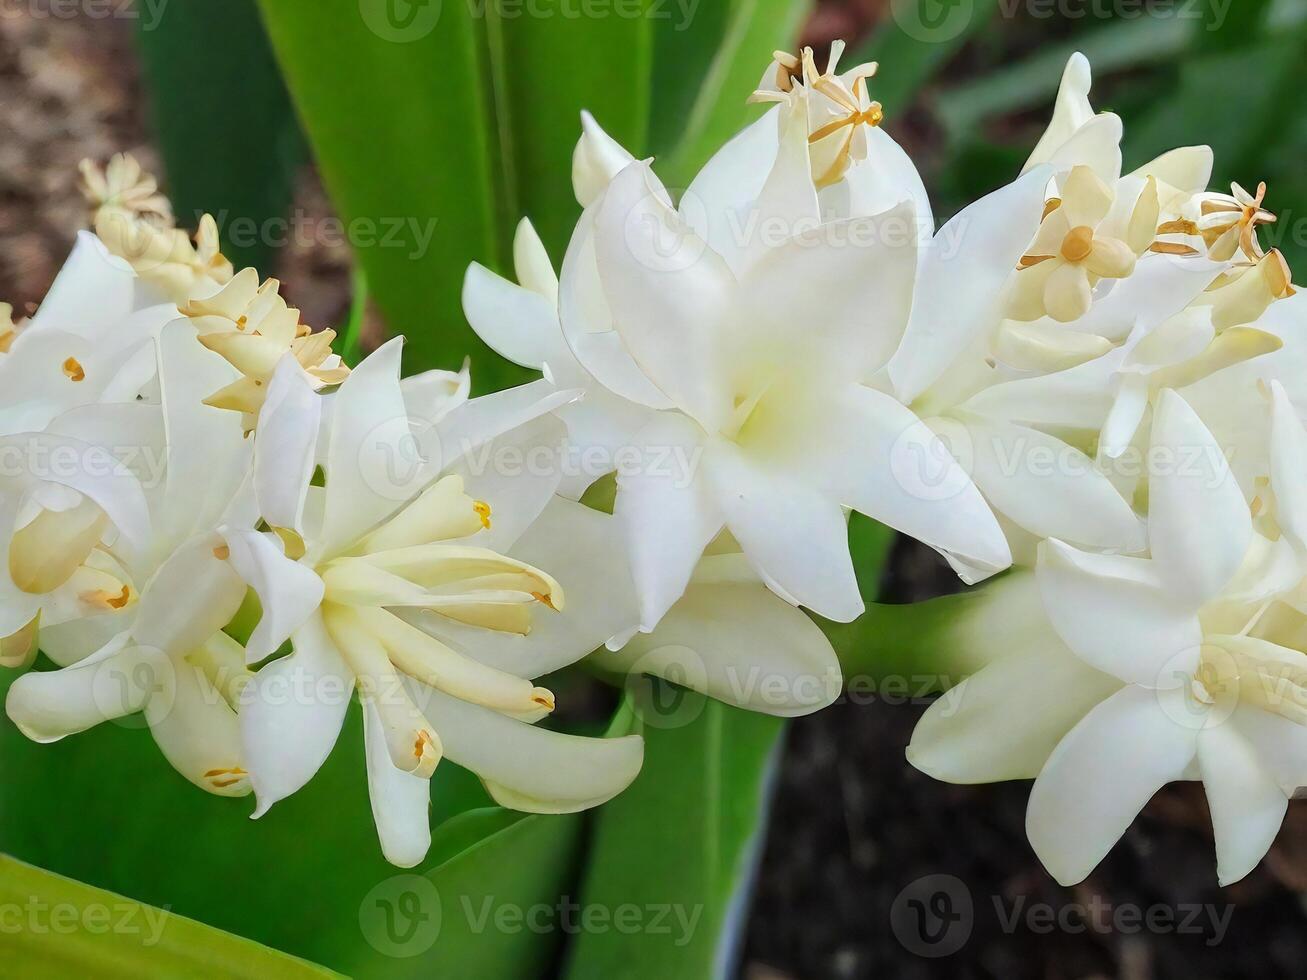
(1085, 380)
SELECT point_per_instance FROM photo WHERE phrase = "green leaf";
(105, 808)
(554, 64)
(678, 848)
(223, 122)
(1033, 82)
(352, 337)
(56, 927)
(397, 101)
(752, 31)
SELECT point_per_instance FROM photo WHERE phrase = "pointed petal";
(794, 535)
(961, 280)
(738, 642)
(291, 715)
(1118, 615)
(288, 591)
(400, 800)
(1101, 775)
(1199, 523)
(667, 512)
(1004, 721)
(527, 768)
(668, 291)
(199, 733)
(1247, 804)
(285, 446)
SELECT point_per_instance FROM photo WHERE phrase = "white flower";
(1186, 664)
(404, 586)
(755, 327)
(728, 636)
(135, 620)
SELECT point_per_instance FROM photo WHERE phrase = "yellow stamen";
(546, 600)
(222, 552)
(109, 600)
(73, 370)
(483, 512)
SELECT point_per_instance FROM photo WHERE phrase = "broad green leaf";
(105, 808)
(675, 853)
(223, 122)
(753, 30)
(554, 64)
(55, 927)
(396, 99)
(496, 908)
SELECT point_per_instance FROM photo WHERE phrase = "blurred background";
(334, 157)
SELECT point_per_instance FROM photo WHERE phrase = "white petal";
(597, 159)
(1070, 112)
(528, 768)
(666, 511)
(1118, 615)
(515, 322)
(285, 445)
(400, 800)
(114, 682)
(1186, 168)
(516, 475)
(889, 465)
(1199, 524)
(669, 294)
(786, 203)
(1097, 145)
(199, 733)
(587, 322)
(1101, 775)
(884, 180)
(468, 428)
(208, 456)
(193, 595)
(838, 296)
(793, 534)
(741, 644)
(581, 548)
(1050, 488)
(729, 184)
(960, 284)
(1079, 397)
(373, 463)
(1160, 287)
(1127, 413)
(1247, 804)
(1288, 466)
(1004, 721)
(91, 293)
(291, 714)
(288, 591)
